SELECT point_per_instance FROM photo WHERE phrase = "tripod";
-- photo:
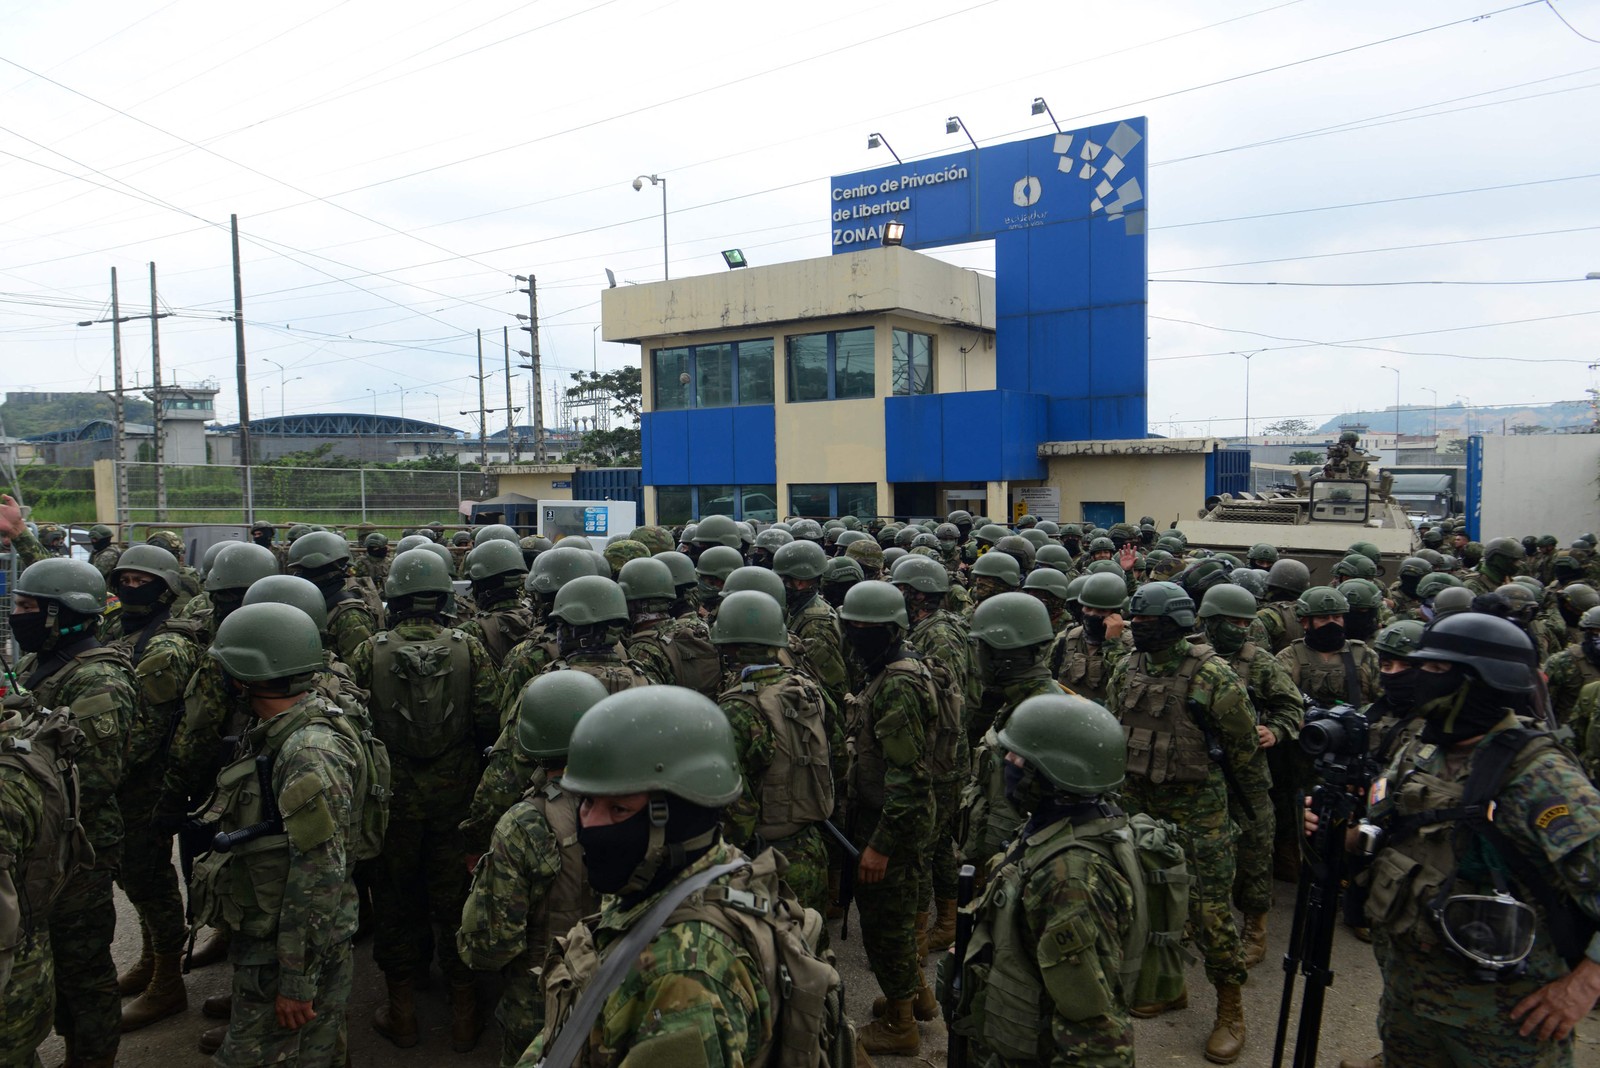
(1316, 914)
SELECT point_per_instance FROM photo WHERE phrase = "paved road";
(1177, 1038)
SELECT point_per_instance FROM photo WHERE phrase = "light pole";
(1246, 356)
(374, 401)
(1466, 412)
(281, 384)
(402, 392)
(655, 179)
(436, 416)
(1434, 421)
(594, 349)
(1396, 371)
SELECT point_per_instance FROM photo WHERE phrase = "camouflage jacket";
(1221, 694)
(644, 649)
(349, 623)
(525, 662)
(695, 987)
(943, 636)
(1567, 673)
(507, 775)
(755, 745)
(888, 726)
(500, 629)
(817, 624)
(104, 698)
(1320, 676)
(164, 656)
(1273, 695)
(105, 561)
(22, 803)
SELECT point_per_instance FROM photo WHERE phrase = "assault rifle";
(1219, 757)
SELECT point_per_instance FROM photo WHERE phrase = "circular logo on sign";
(1025, 194)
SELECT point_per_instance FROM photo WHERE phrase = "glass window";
(759, 503)
(716, 500)
(672, 385)
(852, 364)
(713, 376)
(807, 367)
(912, 369)
(755, 372)
(811, 499)
(674, 504)
(859, 499)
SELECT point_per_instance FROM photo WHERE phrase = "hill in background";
(37, 413)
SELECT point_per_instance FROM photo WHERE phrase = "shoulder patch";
(1544, 817)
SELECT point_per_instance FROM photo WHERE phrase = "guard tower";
(182, 413)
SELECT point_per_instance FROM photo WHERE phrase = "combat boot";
(217, 1007)
(1255, 939)
(213, 949)
(466, 1022)
(942, 935)
(1227, 1034)
(924, 1006)
(396, 1018)
(165, 996)
(135, 979)
(211, 1039)
(1151, 1009)
(922, 937)
(894, 1032)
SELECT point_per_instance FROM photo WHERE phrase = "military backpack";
(422, 692)
(798, 788)
(45, 749)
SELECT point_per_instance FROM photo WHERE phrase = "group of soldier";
(690, 745)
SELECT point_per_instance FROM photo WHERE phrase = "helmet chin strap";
(674, 854)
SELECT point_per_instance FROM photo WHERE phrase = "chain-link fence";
(215, 493)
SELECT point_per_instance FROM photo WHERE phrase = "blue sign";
(561, 485)
(596, 520)
(1067, 214)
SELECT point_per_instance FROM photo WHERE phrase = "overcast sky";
(394, 164)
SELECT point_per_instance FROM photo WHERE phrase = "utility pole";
(538, 376)
(155, 396)
(243, 381)
(119, 437)
(483, 423)
(511, 429)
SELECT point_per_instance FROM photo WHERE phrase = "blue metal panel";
(1474, 485)
(711, 445)
(754, 447)
(1024, 419)
(611, 484)
(970, 445)
(1227, 471)
(664, 437)
(914, 438)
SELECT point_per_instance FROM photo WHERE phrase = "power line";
(1363, 285)
(1569, 25)
(1387, 248)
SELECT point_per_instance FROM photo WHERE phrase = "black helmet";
(1496, 650)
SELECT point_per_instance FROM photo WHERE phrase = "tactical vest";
(242, 889)
(1164, 743)
(1241, 662)
(868, 765)
(569, 898)
(503, 629)
(695, 662)
(44, 747)
(1419, 852)
(1323, 681)
(1083, 669)
(613, 672)
(422, 692)
(347, 600)
(96, 713)
(1293, 631)
(1004, 1005)
(797, 790)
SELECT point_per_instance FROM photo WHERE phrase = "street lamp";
(594, 349)
(435, 396)
(281, 382)
(1041, 108)
(954, 125)
(1246, 356)
(655, 179)
(374, 393)
(402, 392)
(1434, 422)
(877, 140)
(1396, 371)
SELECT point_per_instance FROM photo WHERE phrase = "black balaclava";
(141, 601)
(1328, 638)
(999, 666)
(1400, 688)
(1361, 623)
(1156, 635)
(1094, 627)
(872, 646)
(1408, 585)
(1026, 789)
(262, 538)
(1457, 705)
(643, 853)
(1591, 647)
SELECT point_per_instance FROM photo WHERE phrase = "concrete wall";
(1540, 484)
(532, 480)
(1163, 478)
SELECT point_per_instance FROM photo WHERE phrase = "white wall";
(1540, 484)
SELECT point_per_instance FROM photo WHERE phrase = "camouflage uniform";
(816, 623)
(1566, 674)
(27, 994)
(757, 749)
(1282, 625)
(1077, 893)
(1277, 705)
(510, 914)
(892, 811)
(105, 561)
(1434, 1010)
(942, 636)
(1083, 667)
(303, 952)
(525, 662)
(1199, 809)
(424, 877)
(98, 683)
(372, 570)
(212, 712)
(1321, 676)
(693, 981)
(644, 648)
(501, 628)
(350, 620)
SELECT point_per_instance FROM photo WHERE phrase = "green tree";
(1288, 428)
(1529, 428)
(1305, 456)
(38, 413)
(620, 446)
(1455, 447)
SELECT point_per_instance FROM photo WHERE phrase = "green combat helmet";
(1321, 601)
(300, 530)
(875, 602)
(268, 642)
(1262, 555)
(752, 579)
(748, 617)
(800, 559)
(681, 568)
(1501, 557)
(1019, 549)
(291, 590)
(841, 570)
(990, 533)
(1071, 740)
(1290, 578)
(555, 568)
(958, 517)
(1162, 600)
(652, 739)
(1355, 566)
(73, 584)
(718, 562)
(150, 560)
(494, 532)
(1233, 602)
(806, 530)
(921, 574)
(846, 538)
(443, 553)
(461, 538)
(1101, 545)
(238, 565)
(210, 557)
(1104, 591)
(168, 540)
(1251, 580)
(868, 554)
(656, 539)
(926, 541)
(417, 571)
(1430, 585)
(495, 557)
(1367, 549)
(1590, 619)
(1050, 587)
(1035, 537)
(318, 550)
(717, 530)
(577, 541)
(1053, 556)
(1399, 640)
(590, 601)
(647, 579)
(411, 541)
(550, 708)
(375, 540)
(1363, 594)
(1012, 621)
(1000, 567)
(1028, 522)
(1450, 600)
(1104, 567)
(100, 533)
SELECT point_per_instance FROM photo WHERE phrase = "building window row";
(685, 504)
(818, 500)
(712, 376)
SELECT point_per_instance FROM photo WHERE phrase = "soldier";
(1473, 974)
(1367, 611)
(189, 580)
(941, 637)
(1286, 581)
(1327, 666)
(1083, 657)
(103, 552)
(1173, 699)
(293, 927)
(712, 568)
(891, 806)
(323, 558)
(502, 621)
(530, 886)
(768, 542)
(373, 563)
(1521, 607)
(838, 577)
(590, 617)
(1049, 587)
(1262, 556)
(869, 555)
(1012, 639)
(994, 573)
(55, 622)
(165, 653)
(780, 720)
(433, 704)
(1501, 559)
(1404, 600)
(1573, 668)
(1066, 871)
(262, 533)
(1226, 614)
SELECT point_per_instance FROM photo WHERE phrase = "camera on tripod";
(1336, 738)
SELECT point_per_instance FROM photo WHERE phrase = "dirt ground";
(1348, 1028)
